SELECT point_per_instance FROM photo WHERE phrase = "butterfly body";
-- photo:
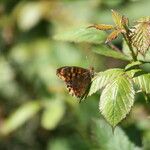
(77, 79)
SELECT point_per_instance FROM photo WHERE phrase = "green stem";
(126, 37)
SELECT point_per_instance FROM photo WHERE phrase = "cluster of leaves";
(118, 94)
(118, 85)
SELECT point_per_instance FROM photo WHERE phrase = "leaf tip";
(90, 26)
(113, 129)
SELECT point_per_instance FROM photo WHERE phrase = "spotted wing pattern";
(77, 79)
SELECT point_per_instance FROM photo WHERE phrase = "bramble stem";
(127, 39)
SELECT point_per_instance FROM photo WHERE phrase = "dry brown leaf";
(140, 36)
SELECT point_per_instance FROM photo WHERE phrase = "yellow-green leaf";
(102, 26)
(117, 18)
(103, 78)
(133, 64)
(116, 100)
(143, 82)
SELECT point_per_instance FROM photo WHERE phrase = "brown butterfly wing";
(77, 79)
(78, 85)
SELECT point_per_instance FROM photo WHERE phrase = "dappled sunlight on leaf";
(103, 78)
(116, 100)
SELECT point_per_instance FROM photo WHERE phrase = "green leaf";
(143, 82)
(133, 64)
(52, 114)
(103, 78)
(116, 100)
(82, 34)
(104, 50)
(19, 117)
(133, 72)
(104, 139)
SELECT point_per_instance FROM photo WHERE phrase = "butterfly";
(77, 79)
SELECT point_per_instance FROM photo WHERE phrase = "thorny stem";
(127, 39)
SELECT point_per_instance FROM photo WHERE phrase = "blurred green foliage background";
(36, 111)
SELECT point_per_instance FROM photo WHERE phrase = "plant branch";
(127, 39)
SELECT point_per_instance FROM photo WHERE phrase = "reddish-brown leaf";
(113, 35)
